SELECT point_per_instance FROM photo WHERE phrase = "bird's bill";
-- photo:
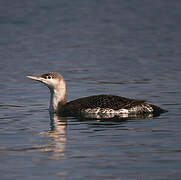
(37, 78)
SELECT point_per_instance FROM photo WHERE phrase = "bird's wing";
(102, 101)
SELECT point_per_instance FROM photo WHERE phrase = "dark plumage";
(107, 102)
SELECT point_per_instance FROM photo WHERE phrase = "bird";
(95, 106)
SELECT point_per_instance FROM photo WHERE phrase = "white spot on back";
(121, 113)
(104, 113)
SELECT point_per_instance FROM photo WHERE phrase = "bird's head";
(51, 80)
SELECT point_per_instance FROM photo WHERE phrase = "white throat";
(57, 97)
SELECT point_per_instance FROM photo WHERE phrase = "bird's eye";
(49, 77)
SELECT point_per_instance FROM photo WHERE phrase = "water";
(127, 48)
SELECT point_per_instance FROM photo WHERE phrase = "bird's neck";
(58, 97)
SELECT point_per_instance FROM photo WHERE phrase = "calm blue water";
(128, 48)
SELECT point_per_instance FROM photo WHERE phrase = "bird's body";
(108, 106)
(97, 106)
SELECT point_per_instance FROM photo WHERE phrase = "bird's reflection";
(57, 136)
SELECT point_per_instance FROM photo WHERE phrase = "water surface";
(127, 48)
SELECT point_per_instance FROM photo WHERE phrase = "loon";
(96, 106)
